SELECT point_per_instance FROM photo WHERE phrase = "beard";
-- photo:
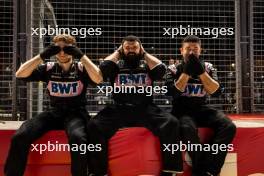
(132, 60)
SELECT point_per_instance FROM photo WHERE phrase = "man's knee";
(21, 139)
(227, 129)
(187, 125)
(170, 122)
(78, 137)
(230, 128)
(187, 128)
(173, 121)
(92, 125)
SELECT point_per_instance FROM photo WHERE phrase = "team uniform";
(67, 91)
(191, 108)
(130, 110)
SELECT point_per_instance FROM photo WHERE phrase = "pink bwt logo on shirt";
(140, 79)
(65, 89)
(194, 90)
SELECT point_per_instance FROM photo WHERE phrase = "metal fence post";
(14, 85)
(29, 8)
(251, 56)
(238, 58)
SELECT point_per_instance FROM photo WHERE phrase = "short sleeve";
(109, 69)
(158, 72)
(172, 75)
(84, 74)
(212, 71)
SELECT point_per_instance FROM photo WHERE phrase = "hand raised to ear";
(142, 51)
(120, 51)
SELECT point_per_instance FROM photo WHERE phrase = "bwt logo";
(65, 89)
(133, 79)
(194, 90)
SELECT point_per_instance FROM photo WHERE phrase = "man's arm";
(176, 82)
(114, 57)
(184, 77)
(28, 67)
(108, 68)
(210, 85)
(151, 61)
(181, 83)
(92, 70)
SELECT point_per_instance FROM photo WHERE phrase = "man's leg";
(75, 126)
(166, 127)
(224, 132)
(100, 129)
(189, 135)
(29, 131)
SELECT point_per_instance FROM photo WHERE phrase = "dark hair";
(192, 39)
(131, 38)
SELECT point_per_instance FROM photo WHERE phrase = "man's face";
(62, 57)
(171, 61)
(189, 48)
(101, 60)
(131, 48)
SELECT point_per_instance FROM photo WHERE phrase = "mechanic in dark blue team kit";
(133, 71)
(67, 80)
(189, 85)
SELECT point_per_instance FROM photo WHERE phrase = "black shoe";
(166, 174)
(209, 174)
(172, 173)
(203, 174)
(91, 174)
(199, 174)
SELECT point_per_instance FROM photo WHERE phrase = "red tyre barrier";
(136, 151)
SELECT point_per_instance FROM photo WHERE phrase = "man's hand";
(188, 67)
(120, 52)
(120, 49)
(116, 55)
(49, 51)
(74, 51)
(194, 66)
(142, 51)
(199, 66)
